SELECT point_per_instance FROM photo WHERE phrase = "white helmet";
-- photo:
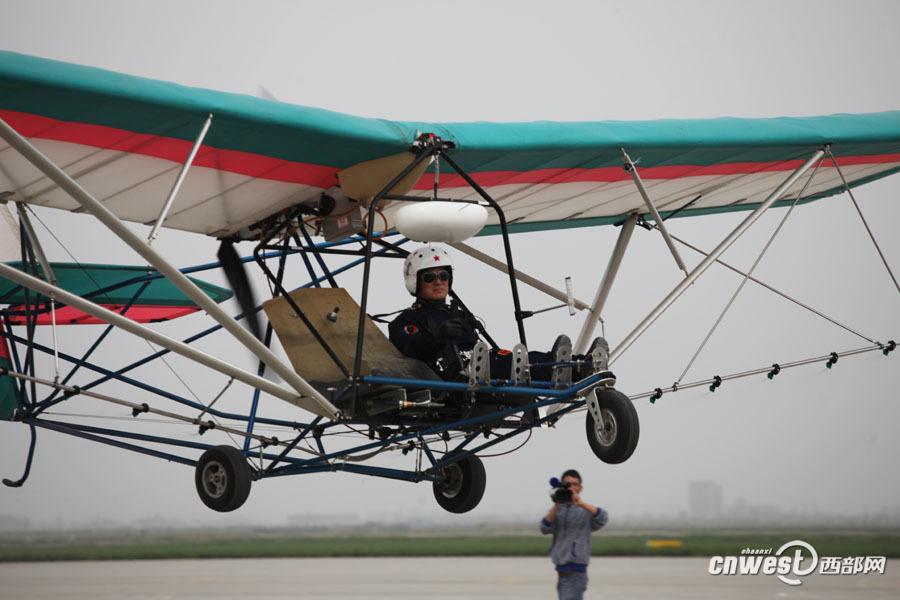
(424, 257)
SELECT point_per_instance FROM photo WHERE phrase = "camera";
(560, 494)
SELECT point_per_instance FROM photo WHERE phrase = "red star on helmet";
(437, 258)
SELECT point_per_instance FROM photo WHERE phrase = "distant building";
(704, 500)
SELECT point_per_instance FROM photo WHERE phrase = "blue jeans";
(572, 587)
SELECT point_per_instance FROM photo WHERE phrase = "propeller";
(240, 285)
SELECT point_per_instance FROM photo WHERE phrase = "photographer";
(571, 520)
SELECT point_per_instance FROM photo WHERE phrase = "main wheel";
(461, 486)
(223, 478)
(613, 433)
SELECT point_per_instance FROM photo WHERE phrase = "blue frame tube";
(151, 389)
(430, 431)
(13, 349)
(29, 459)
(318, 255)
(292, 445)
(99, 340)
(96, 438)
(412, 476)
(455, 453)
(485, 389)
(261, 366)
(428, 453)
(114, 374)
(297, 465)
(118, 375)
(459, 447)
(147, 438)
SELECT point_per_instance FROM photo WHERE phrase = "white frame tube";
(179, 180)
(114, 318)
(526, 279)
(612, 268)
(712, 256)
(191, 290)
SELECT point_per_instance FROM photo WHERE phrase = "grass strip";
(178, 547)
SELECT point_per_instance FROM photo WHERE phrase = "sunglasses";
(431, 276)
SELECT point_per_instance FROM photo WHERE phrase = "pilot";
(437, 332)
(432, 330)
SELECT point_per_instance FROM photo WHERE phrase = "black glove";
(449, 329)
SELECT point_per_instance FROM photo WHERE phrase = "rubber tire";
(228, 464)
(627, 427)
(471, 483)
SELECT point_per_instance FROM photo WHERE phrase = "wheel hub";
(215, 479)
(606, 428)
(451, 484)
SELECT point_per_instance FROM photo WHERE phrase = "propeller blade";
(240, 285)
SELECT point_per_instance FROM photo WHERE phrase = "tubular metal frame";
(285, 462)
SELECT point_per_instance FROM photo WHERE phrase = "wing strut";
(49, 275)
(712, 256)
(865, 223)
(612, 268)
(189, 288)
(632, 170)
(179, 180)
(523, 277)
(748, 274)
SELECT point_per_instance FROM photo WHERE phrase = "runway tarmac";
(432, 578)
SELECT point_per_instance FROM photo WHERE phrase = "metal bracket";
(600, 355)
(562, 376)
(480, 365)
(520, 370)
(593, 407)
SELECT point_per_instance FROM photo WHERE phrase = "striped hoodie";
(572, 528)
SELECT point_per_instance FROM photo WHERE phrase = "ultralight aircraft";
(307, 186)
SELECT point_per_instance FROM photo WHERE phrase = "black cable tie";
(318, 430)
(776, 369)
(73, 392)
(657, 394)
(832, 360)
(204, 427)
(144, 407)
(891, 345)
(410, 445)
(675, 387)
(717, 382)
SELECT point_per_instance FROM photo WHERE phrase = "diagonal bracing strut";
(718, 251)
(189, 288)
(149, 334)
(865, 223)
(632, 170)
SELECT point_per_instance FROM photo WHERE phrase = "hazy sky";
(812, 438)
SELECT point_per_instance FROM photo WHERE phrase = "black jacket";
(414, 333)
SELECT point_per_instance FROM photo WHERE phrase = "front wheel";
(223, 478)
(461, 485)
(612, 426)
